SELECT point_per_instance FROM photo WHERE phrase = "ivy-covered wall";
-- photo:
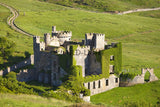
(74, 79)
(68, 63)
(67, 60)
(104, 58)
(117, 62)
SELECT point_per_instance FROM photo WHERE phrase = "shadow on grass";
(47, 87)
(14, 60)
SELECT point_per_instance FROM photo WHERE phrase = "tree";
(6, 47)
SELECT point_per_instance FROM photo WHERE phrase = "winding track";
(10, 20)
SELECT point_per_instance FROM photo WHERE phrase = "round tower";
(47, 38)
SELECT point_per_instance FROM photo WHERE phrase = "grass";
(12, 100)
(148, 94)
(152, 14)
(23, 43)
(107, 5)
(139, 34)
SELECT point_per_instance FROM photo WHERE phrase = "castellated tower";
(99, 41)
(61, 35)
(37, 47)
(88, 39)
(53, 28)
(95, 40)
(47, 38)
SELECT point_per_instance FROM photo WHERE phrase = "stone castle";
(100, 63)
(51, 65)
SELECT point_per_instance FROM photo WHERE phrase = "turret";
(99, 41)
(53, 28)
(47, 38)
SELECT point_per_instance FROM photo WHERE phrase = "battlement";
(36, 39)
(99, 35)
(83, 47)
(64, 34)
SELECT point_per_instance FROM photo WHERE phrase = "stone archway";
(147, 76)
(152, 75)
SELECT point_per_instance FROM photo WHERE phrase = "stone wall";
(26, 75)
(94, 66)
(103, 84)
(81, 57)
(24, 63)
(139, 79)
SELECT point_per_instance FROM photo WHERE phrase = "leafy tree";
(6, 47)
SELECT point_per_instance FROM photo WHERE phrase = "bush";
(11, 75)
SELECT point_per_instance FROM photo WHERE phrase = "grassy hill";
(23, 43)
(22, 100)
(141, 95)
(152, 14)
(107, 5)
(139, 34)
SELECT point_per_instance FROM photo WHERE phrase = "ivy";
(104, 58)
(125, 76)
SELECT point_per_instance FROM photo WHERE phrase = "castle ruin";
(54, 57)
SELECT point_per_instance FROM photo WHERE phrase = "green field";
(138, 32)
(107, 5)
(140, 35)
(141, 95)
(152, 14)
(22, 100)
(23, 43)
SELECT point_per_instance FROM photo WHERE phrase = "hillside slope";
(12, 100)
(140, 35)
(107, 5)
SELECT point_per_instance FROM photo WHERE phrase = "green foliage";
(76, 71)
(65, 61)
(104, 58)
(147, 76)
(6, 47)
(117, 62)
(93, 77)
(11, 75)
(62, 94)
(75, 81)
(125, 76)
(13, 86)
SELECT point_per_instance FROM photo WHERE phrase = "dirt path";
(12, 17)
(139, 10)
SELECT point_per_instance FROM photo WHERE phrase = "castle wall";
(99, 42)
(94, 65)
(139, 79)
(26, 75)
(102, 87)
(26, 62)
(81, 57)
(54, 42)
(56, 71)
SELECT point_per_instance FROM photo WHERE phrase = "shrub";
(11, 75)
